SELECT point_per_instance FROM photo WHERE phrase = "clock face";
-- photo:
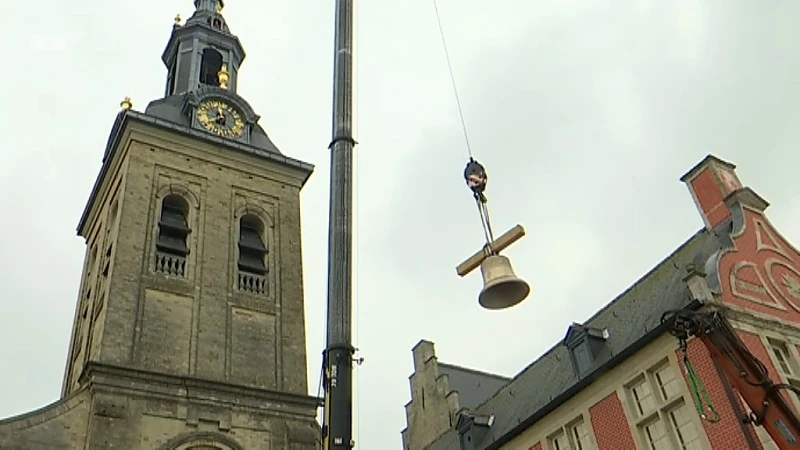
(220, 118)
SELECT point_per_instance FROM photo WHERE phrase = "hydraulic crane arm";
(745, 372)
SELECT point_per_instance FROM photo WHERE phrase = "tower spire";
(212, 6)
(196, 55)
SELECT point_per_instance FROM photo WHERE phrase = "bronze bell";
(501, 287)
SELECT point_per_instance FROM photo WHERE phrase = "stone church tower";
(189, 327)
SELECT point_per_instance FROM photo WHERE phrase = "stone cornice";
(110, 378)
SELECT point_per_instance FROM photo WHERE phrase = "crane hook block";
(475, 176)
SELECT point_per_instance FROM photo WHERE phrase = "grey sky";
(584, 113)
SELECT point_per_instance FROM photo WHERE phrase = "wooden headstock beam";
(499, 244)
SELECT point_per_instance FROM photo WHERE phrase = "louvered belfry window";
(173, 229)
(252, 251)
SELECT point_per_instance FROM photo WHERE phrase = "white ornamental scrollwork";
(757, 293)
(787, 284)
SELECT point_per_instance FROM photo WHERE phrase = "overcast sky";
(585, 114)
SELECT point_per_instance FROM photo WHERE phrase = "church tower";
(189, 327)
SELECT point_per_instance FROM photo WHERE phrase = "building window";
(642, 397)
(252, 255)
(173, 232)
(783, 357)
(210, 65)
(663, 418)
(574, 436)
(680, 420)
(558, 441)
(786, 364)
(580, 436)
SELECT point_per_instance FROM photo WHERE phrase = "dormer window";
(210, 65)
(587, 346)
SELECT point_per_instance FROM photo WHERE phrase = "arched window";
(201, 441)
(110, 224)
(252, 251)
(215, 22)
(173, 233)
(210, 65)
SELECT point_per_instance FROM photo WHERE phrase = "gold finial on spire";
(177, 20)
(126, 103)
(223, 77)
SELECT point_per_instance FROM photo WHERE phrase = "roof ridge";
(475, 371)
(645, 276)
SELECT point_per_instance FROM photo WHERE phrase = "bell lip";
(493, 307)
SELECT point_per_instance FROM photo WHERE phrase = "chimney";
(716, 189)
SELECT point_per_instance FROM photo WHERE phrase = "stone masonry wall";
(432, 408)
(61, 425)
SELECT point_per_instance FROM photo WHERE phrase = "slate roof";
(632, 320)
(473, 387)
(448, 441)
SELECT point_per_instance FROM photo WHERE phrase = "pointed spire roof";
(209, 12)
(203, 59)
(213, 6)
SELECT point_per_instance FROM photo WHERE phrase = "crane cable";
(474, 173)
(452, 78)
(698, 389)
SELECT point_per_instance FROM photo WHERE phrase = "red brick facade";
(709, 198)
(609, 424)
(759, 274)
(759, 277)
(727, 433)
(762, 274)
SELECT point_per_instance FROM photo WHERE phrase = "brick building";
(189, 326)
(617, 381)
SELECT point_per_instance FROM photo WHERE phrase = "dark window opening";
(171, 82)
(183, 69)
(216, 23)
(173, 229)
(252, 251)
(583, 358)
(210, 65)
(171, 78)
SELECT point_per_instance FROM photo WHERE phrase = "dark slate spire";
(209, 5)
(203, 59)
(199, 49)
